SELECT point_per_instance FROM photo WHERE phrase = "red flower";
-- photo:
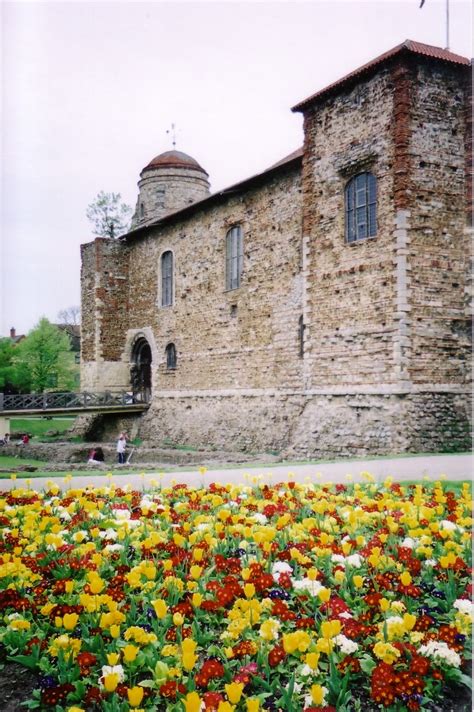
(276, 655)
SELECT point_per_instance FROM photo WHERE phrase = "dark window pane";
(167, 279)
(234, 257)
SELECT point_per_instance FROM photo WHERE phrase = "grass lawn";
(38, 427)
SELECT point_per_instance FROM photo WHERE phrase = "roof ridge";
(418, 48)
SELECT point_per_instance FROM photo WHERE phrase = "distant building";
(14, 337)
(320, 306)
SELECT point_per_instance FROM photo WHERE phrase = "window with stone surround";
(167, 279)
(170, 357)
(234, 246)
(361, 207)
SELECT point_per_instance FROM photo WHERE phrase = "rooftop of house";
(406, 47)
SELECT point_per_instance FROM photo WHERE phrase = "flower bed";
(274, 597)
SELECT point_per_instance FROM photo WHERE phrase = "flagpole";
(447, 24)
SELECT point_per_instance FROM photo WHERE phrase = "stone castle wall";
(386, 343)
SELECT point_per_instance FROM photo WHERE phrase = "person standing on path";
(121, 446)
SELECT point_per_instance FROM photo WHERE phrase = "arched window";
(234, 257)
(142, 210)
(167, 279)
(361, 207)
(170, 356)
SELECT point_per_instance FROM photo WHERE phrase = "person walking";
(121, 447)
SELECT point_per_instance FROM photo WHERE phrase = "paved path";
(453, 467)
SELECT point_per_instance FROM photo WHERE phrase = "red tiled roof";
(295, 154)
(408, 46)
(174, 159)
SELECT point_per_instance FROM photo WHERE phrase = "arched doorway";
(140, 371)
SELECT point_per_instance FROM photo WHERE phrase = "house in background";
(14, 337)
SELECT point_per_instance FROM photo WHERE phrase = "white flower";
(347, 646)
(122, 514)
(440, 651)
(464, 606)
(354, 560)
(307, 671)
(259, 518)
(449, 526)
(280, 567)
(430, 562)
(408, 543)
(306, 584)
(338, 559)
(113, 547)
(108, 534)
(112, 670)
(345, 614)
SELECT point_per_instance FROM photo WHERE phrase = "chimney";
(12, 332)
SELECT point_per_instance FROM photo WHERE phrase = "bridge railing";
(50, 401)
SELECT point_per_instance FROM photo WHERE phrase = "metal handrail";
(86, 399)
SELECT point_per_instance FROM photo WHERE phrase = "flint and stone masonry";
(326, 347)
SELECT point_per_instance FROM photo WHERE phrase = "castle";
(318, 308)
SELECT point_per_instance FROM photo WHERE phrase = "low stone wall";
(315, 425)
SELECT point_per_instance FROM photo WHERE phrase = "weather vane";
(172, 131)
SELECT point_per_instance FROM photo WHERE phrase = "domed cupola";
(170, 181)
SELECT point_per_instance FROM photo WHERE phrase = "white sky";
(90, 88)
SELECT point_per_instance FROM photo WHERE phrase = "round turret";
(170, 182)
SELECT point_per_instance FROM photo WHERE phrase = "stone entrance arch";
(140, 369)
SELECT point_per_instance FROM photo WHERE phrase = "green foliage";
(13, 376)
(44, 352)
(109, 217)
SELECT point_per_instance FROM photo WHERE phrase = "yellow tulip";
(329, 629)
(113, 658)
(70, 620)
(196, 599)
(234, 691)
(358, 581)
(160, 608)
(409, 621)
(189, 661)
(111, 681)
(225, 707)
(114, 631)
(317, 694)
(178, 619)
(130, 652)
(405, 578)
(195, 572)
(135, 695)
(324, 594)
(253, 704)
(249, 590)
(312, 659)
(192, 702)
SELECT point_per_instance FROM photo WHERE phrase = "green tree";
(14, 377)
(44, 352)
(108, 215)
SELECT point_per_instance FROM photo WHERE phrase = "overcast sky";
(90, 89)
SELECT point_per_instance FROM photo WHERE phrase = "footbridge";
(72, 403)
